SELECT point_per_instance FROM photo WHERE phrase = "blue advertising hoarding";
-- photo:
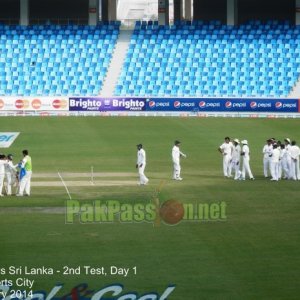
(222, 105)
(106, 104)
(171, 104)
(183, 104)
(262, 105)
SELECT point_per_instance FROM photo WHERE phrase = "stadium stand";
(210, 59)
(53, 60)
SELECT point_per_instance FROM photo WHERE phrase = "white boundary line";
(64, 185)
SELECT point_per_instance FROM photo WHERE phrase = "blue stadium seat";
(232, 61)
(39, 57)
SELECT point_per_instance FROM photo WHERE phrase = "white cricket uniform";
(295, 172)
(288, 160)
(284, 163)
(267, 152)
(11, 176)
(226, 149)
(236, 155)
(275, 164)
(176, 153)
(2, 174)
(141, 162)
(279, 164)
(246, 162)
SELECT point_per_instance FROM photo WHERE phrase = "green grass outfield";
(253, 254)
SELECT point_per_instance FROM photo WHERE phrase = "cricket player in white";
(246, 161)
(141, 164)
(280, 158)
(283, 163)
(287, 143)
(226, 150)
(176, 154)
(267, 152)
(3, 163)
(275, 158)
(25, 182)
(295, 152)
(10, 174)
(236, 155)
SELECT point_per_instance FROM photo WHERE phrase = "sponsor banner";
(34, 103)
(168, 104)
(210, 104)
(222, 105)
(7, 138)
(106, 104)
(139, 104)
(261, 105)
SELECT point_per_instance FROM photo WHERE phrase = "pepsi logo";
(152, 104)
(202, 104)
(278, 105)
(177, 104)
(228, 104)
(253, 104)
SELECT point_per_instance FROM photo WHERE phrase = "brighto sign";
(85, 103)
(132, 104)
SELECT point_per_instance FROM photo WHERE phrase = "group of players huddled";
(232, 153)
(15, 175)
(280, 159)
